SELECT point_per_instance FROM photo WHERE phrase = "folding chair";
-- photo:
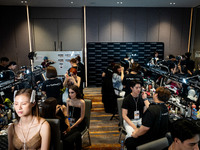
(88, 106)
(121, 127)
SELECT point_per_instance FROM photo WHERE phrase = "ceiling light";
(72, 2)
(119, 2)
(172, 3)
(22, 2)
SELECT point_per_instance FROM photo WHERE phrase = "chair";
(56, 142)
(121, 127)
(88, 106)
(156, 144)
(169, 137)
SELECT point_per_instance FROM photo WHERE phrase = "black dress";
(75, 112)
(74, 135)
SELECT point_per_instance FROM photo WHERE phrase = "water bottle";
(194, 114)
(122, 145)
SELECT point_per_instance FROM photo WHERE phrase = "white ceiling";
(103, 3)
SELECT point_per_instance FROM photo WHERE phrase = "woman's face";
(72, 94)
(72, 74)
(22, 105)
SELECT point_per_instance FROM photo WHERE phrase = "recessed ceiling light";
(72, 2)
(22, 2)
(170, 3)
(119, 2)
(174, 3)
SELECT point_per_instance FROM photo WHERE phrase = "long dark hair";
(116, 66)
(76, 90)
(49, 108)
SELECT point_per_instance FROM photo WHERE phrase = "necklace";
(25, 138)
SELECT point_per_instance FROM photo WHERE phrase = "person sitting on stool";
(154, 121)
(133, 107)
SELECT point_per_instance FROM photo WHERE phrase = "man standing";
(47, 62)
(132, 76)
(154, 121)
(133, 107)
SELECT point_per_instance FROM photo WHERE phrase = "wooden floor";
(103, 131)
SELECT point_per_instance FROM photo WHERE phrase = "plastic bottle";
(122, 145)
(176, 110)
(198, 113)
(194, 114)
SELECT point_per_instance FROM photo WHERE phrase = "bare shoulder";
(82, 102)
(11, 130)
(44, 125)
(43, 120)
(10, 127)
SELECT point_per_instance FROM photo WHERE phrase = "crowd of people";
(145, 122)
(142, 120)
(31, 130)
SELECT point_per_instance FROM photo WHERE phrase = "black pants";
(131, 143)
(72, 140)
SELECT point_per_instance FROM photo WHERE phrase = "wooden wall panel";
(129, 24)
(185, 31)
(117, 25)
(176, 32)
(104, 27)
(153, 22)
(141, 25)
(55, 12)
(164, 29)
(92, 25)
(14, 34)
(168, 25)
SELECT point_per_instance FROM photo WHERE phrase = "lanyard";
(136, 102)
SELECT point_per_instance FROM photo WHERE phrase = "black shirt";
(127, 80)
(82, 68)
(52, 88)
(130, 102)
(156, 118)
(2, 68)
